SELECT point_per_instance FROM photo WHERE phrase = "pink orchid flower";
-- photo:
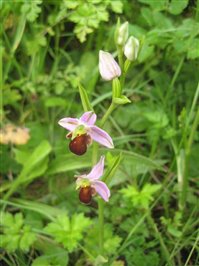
(89, 184)
(83, 131)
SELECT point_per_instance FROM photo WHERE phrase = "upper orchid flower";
(108, 67)
(83, 131)
(89, 184)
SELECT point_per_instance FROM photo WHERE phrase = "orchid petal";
(69, 123)
(97, 170)
(108, 67)
(88, 118)
(102, 189)
(100, 136)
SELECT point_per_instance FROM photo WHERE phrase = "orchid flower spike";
(83, 131)
(89, 184)
(108, 67)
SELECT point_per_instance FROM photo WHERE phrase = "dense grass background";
(49, 47)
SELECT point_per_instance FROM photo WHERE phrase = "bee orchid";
(90, 184)
(83, 131)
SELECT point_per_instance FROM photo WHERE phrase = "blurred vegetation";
(47, 48)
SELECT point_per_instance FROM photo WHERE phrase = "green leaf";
(30, 167)
(193, 49)
(31, 9)
(146, 52)
(113, 164)
(157, 117)
(177, 7)
(122, 100)
(36, 157)
(64, 163)
(140, 199)
(53, 254)
(19, 33)
(27, 239)
(156, 5)
(38, 171)
(84, 99)
(111, 241)
(68, 231)
(41, 261)
(117, 6)
(55, 101)
(15, 235)
(44, 209)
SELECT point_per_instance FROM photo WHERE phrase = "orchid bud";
(131, 48)
(122, 34)
(108, 67)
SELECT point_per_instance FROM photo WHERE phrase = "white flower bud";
(123, 33)
(131, 48)
(108, 67)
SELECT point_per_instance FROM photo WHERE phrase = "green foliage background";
(47, 48)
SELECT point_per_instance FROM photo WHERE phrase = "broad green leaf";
(143, 160)
(42, 208)
(68, 162)
(146, 52)
(21, 156)
(42, 261)
(177, 7)
(193, 49)
(37, 171)
(36, 157)
(34, 161)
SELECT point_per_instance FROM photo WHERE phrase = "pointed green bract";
(84, 99)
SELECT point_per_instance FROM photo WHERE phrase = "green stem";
(101, 225)
(120, 57)
(193, 131)
(87, 252)
(174, 79)
(185, 180)
(197, 11)
(100, 202)
(192, 250)
(107, 114)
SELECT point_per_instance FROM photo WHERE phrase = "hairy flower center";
(79, 130)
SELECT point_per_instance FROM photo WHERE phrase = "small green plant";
(15, 234)
(142, 198)
(68, 231)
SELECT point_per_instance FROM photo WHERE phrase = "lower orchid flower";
(89, 184)
(83, 131)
